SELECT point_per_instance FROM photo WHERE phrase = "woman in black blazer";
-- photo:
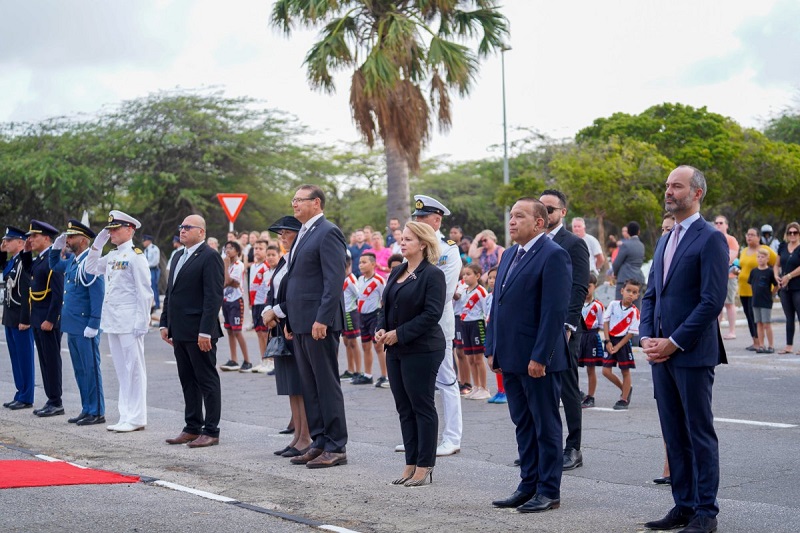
(408, 325)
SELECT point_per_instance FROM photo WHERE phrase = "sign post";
(232, 204)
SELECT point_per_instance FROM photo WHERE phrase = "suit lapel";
(189, 260)
(691, 235)
(527, 258)
(298, 245)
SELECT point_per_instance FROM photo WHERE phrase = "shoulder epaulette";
(450, 242)
(138, 251)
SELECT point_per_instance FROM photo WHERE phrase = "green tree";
(393, 48)
(784, 128)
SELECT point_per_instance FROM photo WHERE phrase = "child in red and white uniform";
(491, 278)
(590, 353)
(265, 257)
(620, 324)
(370, 287)
(352, 322)
(473, 327)
(464, 372)
(233, 306)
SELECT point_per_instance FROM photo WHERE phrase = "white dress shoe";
(125, 427)
(446, 448)
(400, 448)
(113, 427)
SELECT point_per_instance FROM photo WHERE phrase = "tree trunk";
(601, 231)
(397, 192)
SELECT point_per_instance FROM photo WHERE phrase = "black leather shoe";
(19, 405)
(8, 404)
(539, 503)
(50, 410)
(90, 420)
(572, 459)
(675, 518)
(666, 480)
(282, 450)
(75, 419)
(701, 524)
(517, 462)
(515, 500)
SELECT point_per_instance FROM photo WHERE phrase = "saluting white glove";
(139, 333)
(60, 241)
(101, 239)
(90, 333)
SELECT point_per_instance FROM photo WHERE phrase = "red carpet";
(16, 474)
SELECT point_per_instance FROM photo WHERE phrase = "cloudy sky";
(571, 62)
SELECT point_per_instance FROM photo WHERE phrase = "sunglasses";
(793, 232)
(187, 227)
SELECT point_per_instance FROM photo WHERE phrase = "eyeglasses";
(794, 232)
(298, 200)
(188, 227)
(551, 209)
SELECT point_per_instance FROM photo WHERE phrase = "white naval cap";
(118, 219)
(425, 205)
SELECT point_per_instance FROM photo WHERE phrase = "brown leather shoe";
(183, 438)
(310, 455)
(328, 459)
(203, 441)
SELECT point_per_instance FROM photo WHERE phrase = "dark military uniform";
(16, 311)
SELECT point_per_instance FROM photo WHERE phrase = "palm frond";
(458, 63)
(440, 100)
(331, 52)
(490, 24)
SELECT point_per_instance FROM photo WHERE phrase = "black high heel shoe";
(426, 480)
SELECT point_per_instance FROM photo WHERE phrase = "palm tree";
(394, 47)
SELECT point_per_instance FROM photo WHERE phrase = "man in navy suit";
(314, 309)
(525, 340)
(680, 336)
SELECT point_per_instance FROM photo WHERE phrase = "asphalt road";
(613, 491)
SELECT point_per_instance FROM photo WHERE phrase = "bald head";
(193, 230)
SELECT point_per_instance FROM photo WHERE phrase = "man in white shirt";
(596, 257)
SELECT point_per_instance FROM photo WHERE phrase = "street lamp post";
(507, 215)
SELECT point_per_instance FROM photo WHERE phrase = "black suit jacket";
(315, 279)
(193, 298)
(579, 254)
(414, 310)
(42, 279)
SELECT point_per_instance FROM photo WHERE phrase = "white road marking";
(170, 362)
(337, 529)
(201, 493)
(48, 458)
(755, 423)
(609, 409)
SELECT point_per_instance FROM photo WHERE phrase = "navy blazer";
(414, 310)
(315, 278)
(579, 255)
(686, 305)
(193, 298)
(529, 309)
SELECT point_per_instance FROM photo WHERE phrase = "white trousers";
(127, 352)
(447, 383)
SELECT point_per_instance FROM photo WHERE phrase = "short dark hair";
(235, 245)
(562, 198)
(271, 247)
(634, 282)
(316, 192)
(393, 258)
(539, 209)
(459, 228)
(633, 228)
(475, 267)
(592, 278)
(262, 241)
(370, 255)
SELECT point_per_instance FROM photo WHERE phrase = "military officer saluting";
(126, 314)
(16, 319)
(80, 318)
(46, 297)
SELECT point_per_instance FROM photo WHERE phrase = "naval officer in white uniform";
(430, 211)
(126, 314)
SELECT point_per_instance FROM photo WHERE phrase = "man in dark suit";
(314, 309)
(525, 340)
(190, 323)
(556, 204)
(46, 299)
(680, 336)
